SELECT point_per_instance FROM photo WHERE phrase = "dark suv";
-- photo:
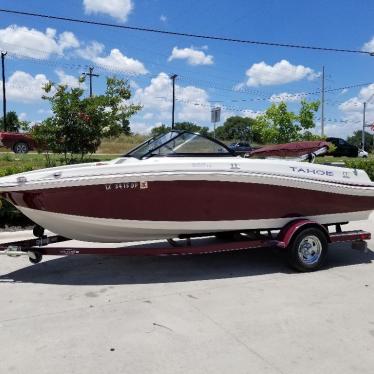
(240, 147)
(343, 148)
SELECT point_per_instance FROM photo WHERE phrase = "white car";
(362, 153)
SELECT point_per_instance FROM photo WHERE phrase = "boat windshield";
(180, 143)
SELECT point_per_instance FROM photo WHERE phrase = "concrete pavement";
(243, 312)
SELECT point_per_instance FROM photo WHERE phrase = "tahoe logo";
(312, 171)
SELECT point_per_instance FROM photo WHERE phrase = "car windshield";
(180, 143)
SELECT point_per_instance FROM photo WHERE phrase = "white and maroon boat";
(181, 184)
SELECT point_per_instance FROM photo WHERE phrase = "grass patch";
(120, 145)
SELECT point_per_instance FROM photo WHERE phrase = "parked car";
(343, 148)
(17, 142)
(241, 147)
(362, 153)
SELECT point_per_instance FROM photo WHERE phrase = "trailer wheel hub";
(310, 249)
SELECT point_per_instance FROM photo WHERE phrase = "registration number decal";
(126, 186)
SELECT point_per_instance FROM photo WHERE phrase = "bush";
(363, 164)
(9, 215)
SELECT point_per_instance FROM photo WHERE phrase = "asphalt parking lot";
(243, 312)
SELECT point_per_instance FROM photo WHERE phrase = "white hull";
(117, 231)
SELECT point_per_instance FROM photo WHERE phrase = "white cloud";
(352, 108)
(22, 116)
(37, 44)
(45, 111)
(163, 18)
(262, 74)
(191, 105)
(23, 87)
(194, 105)
(369, 46)
(67, 40)
(192, 55)
(341, 130)
(239, 86)
(148, 115)
(140, 127)
(285, 97)
(251, 113)
(119, 9)
(157, 95)
(91, 51)
(115, 61)
(68, 80)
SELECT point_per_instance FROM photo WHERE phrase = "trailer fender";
(288, 232)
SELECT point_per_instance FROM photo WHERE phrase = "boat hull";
(158, 209)
(117, 230)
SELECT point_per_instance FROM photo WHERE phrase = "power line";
(254, 112)
(190, 35)
(263, 95)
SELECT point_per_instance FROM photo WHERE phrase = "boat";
(183, 184)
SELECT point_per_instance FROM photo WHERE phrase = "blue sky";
(243, 79)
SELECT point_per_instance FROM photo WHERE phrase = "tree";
(126, 126)
(159, 130)
(306, 114)
(13, 123)
(236, 128)
(188, 126)
(356, 139)
(278, 125)
(192, 127)
(78, 123)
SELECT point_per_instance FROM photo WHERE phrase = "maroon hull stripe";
(189, 201)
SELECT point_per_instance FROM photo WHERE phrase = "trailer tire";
(308, 249)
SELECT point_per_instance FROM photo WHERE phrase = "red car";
(17, 142)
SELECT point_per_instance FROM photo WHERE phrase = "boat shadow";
(115, 270)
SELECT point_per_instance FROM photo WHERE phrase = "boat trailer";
(36, 248)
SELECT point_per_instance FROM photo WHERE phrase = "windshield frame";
(178, 133)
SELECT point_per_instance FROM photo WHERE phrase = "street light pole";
(323, 102)
(173, 77)
(363, 127)
(3, 54)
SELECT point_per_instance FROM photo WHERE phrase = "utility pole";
(323, 102)
(363, 127)
(3, 54)
(364, 121)
(173, 77)
(90, 74)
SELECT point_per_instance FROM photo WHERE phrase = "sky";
(242, 79)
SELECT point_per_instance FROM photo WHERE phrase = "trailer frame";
(36, 248)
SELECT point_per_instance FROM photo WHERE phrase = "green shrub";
(363, 164)
(9, 215)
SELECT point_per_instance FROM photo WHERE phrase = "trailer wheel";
(37, 259)
(308, 250)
